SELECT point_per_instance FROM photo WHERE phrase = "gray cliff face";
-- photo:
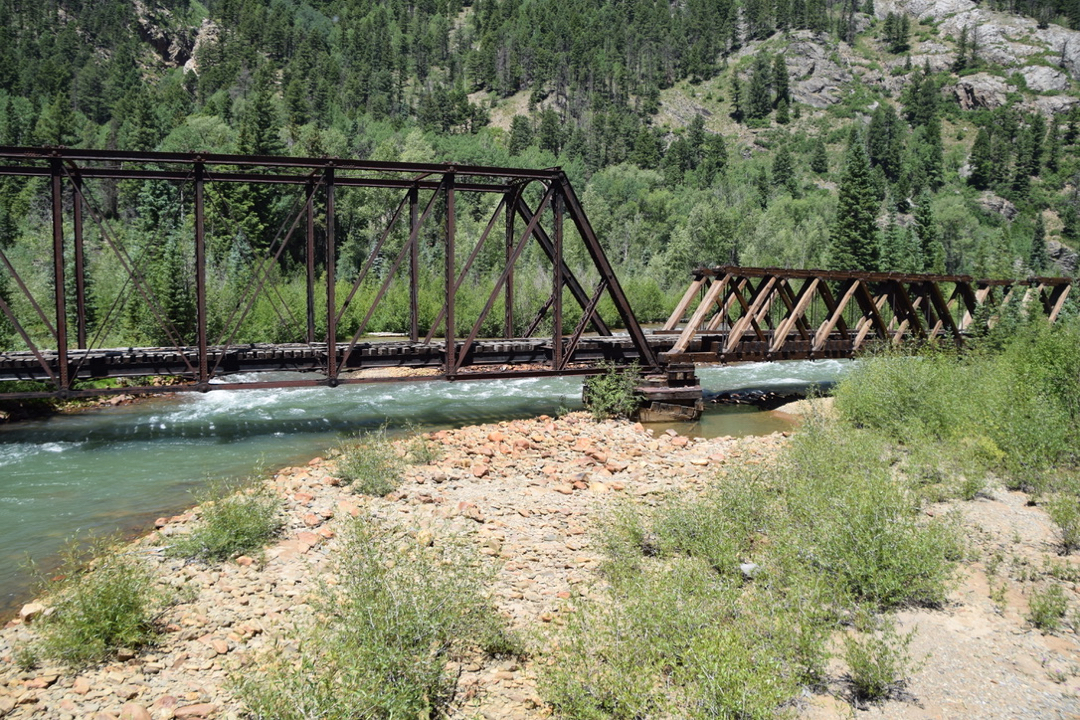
(1007, 40)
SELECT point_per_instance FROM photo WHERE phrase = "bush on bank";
(383, 633)
(721, 605)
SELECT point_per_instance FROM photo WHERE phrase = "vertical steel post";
(511, 212)
(414, 265)
(58, 274)
(200, 273)
(310, 258)
(451, 360)
(556, 340)
(80, 265)
(331, 302)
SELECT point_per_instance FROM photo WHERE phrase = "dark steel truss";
(747, 314)
(430, 195)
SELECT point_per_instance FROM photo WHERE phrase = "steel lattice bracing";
(57, 343)
(735, 314)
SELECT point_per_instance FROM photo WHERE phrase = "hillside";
(698, 133)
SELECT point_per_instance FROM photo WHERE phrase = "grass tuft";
(370, 463)
(384, 634)
(1047, 608)
(98, 607)
(234, 521)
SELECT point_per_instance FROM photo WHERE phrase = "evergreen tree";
(521, 134)
(1053, 146)
(819, 158)
(960, 61)
(1039, 259)
(260, 129)
(783, 116)
(926, 228)
(853, 241)
(759, 102)
(780, 82)
(549, 135)
(783, 171)
(884, 141)
(981, 161)
(56, 125)
(647, 148)
(738, 98)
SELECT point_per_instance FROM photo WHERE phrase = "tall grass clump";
(370, 463)
(98, 606)
(234, 521)
(1009, 404)
(722, 604)
(383, 634)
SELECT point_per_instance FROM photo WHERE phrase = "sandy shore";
(527, 493)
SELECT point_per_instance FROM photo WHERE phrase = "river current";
(116, 469)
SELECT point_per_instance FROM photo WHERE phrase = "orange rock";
(220, 646)
(303, 497)
(245, 561)
(480, 470)
(81, 686)
(134, 711)
(563, 488)
(680, 441)
(496, 437)
(201, 710)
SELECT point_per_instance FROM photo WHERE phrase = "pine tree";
(960, 61)
(783, 116)
(1038, 260)
(1053, 146)
(759, 102)
(780, 82)
(783, 170)
(981, 161)
(926, 228)
(819, 158)
(738, 98)
(884, 141)
(521, 134)
(853, 241)
(549, 134)
(260, 132)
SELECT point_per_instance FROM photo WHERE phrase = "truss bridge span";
(495, 272)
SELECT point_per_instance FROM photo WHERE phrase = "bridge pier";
(672, 396)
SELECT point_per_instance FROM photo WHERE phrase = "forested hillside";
(910, 135)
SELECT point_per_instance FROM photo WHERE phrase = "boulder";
(1062, 255)
(1045, 79)
(991, 202)
(980, 91)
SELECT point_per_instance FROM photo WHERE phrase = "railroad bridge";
(61, 339)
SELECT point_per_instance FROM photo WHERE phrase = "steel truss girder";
(768, 313)
(318, 180)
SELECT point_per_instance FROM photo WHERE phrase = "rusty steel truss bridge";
(727, 314)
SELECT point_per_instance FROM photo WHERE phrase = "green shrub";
(419, 448)
(612, 394)
(879, 662)
(1047, 608)
(234, 521)
(99, 607)
(370, 463)
(860, 525)
(383, 634)
(1064, 510)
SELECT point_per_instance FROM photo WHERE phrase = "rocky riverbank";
(528, 495)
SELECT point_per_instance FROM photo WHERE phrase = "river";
(116, 469)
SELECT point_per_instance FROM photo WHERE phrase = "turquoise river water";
(116, 469)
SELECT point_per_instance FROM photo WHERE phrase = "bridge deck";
(523, 357)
